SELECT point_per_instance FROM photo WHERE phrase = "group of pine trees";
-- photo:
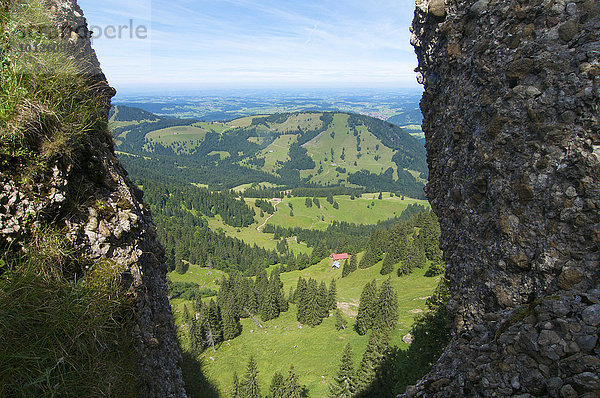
(378, 312)
(314, 300)
(373, 375)
(281, 387)
(208, 325)
(238, 297)
(378, 308)
(406, 246)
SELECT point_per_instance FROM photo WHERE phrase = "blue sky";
(198, 44)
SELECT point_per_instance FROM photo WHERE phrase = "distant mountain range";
(288, 149)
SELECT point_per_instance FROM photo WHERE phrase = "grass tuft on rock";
(63, 335)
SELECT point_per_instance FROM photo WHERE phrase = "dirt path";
(267, 220)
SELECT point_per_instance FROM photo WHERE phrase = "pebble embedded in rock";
(591, 315)
(437, 8)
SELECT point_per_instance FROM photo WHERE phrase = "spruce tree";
(414, 258)
(352, 266)
(332, 297)
(231, 323)
(292, 387)
(374, 253)
(250, 387)
(277, 389)
(282, 302)
(371, 360)
(323, 299)
(388, 264)
(340, 322)
(291, 296)
(344, 385)
(236, 390)
(387, 303)
(301, 299)
(345, 269)
(261, 288)
(367, 308)
(195, 337)
(436, 268)
(313, 308)
(252, 304)
(319, 253)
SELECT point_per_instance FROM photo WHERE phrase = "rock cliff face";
(102, 213)
(511, 108)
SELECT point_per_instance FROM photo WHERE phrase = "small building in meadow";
(337, 258)
(340, 257)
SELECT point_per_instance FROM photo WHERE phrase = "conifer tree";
(252, 304)
(195, 336)
(436, 268)
(292, 386)
(344, 385)
(388, 264)
(374, 253)
(272, 300)
(231, 323)
(414, 258)
(313, 308)
(277, 389)
(319, 253)
(282, 302)
(236, 390)
(367, 308)
(352, 266)
(323, 299)
(372, 359)
(332, 296)
(387, 303)
(250, 387)
(340, 322)
(261, 288)
(291, 295)
(301, 298)
(345, 269)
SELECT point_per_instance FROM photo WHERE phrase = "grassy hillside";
(314, 352)
(364, 210)
(291, 149)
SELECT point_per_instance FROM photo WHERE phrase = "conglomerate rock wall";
(512, 121)
(103, 215)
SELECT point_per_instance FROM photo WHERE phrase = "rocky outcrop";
(511, 116)
(102, 213)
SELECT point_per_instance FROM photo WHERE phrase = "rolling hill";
(289, 149)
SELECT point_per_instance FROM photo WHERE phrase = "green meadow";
(314, 352)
